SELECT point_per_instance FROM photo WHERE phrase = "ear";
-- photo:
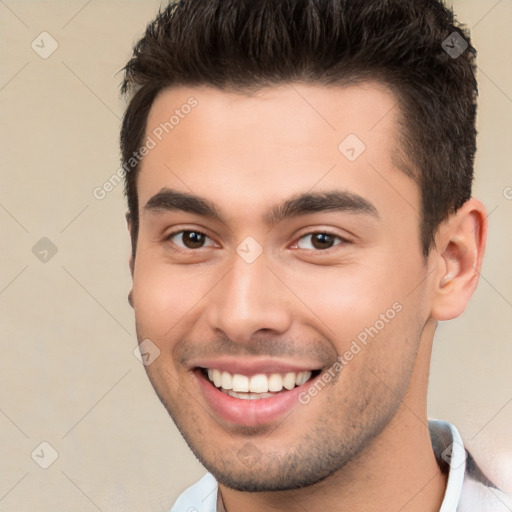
(129, 223)
(457, 257)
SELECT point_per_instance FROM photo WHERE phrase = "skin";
(362, 442)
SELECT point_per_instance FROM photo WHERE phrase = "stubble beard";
(341, 434)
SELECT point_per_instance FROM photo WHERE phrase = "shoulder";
(479, 494)
(200, 497)
(468, 489)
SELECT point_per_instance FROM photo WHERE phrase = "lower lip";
(250, 412)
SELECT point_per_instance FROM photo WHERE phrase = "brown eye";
(319, 241)
(190, 239)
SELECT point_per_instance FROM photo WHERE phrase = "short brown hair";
(249, 44)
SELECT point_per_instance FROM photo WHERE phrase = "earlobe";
(460, 243)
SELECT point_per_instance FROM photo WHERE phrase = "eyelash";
(168, 238)
(342, 241)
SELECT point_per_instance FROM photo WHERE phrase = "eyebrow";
(172, 200)
(307, 203)
(301, 204)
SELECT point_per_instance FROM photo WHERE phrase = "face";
(279, 272)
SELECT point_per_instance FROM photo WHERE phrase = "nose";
(249, 300)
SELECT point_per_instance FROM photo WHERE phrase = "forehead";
(295, 112)
(249, 149)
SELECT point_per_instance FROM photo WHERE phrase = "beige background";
(69, 376)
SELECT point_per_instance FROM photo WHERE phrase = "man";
(298, 176)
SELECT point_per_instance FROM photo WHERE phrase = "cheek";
(348, 299)
(367, 310)
(164, 294)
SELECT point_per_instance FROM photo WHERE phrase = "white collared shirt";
(464, 491)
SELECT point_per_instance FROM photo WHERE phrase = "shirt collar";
(451, 455)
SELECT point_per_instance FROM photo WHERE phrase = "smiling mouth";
(258, 386)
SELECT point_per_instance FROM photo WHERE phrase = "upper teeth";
(259, 383)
